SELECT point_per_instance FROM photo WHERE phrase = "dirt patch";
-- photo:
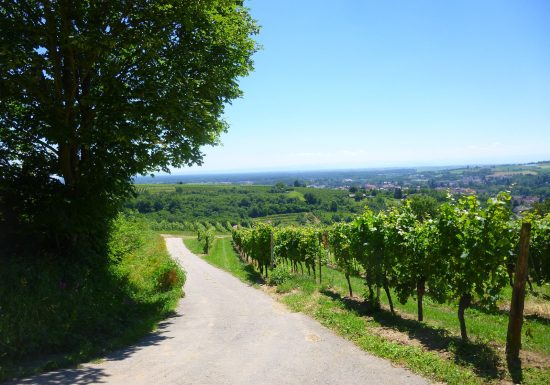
(312, 337)
(488, 360)
(540, 309)
(534, 360)
(280, 308)
(426, 340)
(271, 290)
(395, 336)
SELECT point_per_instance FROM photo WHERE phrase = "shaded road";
(226, 332)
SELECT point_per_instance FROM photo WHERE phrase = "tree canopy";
(95, 92)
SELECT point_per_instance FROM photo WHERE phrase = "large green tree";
(94, 92)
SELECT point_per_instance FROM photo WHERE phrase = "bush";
(169, 277)
(279, 275)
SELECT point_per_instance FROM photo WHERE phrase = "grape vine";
(464, 253)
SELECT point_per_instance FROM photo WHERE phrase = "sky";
(366, 84)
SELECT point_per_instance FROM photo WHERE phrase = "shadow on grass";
(537, 294)
(482, 358)
(514, 367)
(252, 275)
(542, 319)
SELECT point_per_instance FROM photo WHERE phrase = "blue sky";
(359, 84)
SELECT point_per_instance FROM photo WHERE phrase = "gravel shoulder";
(225, 332)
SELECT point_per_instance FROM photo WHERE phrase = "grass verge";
(430, 348)
(223, 256)
(57, 313)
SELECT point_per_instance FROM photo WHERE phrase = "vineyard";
(465, 254)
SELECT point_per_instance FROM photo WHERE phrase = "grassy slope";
(432, 349)
(58, 313)
(480, 324)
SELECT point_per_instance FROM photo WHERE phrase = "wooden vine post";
(320, 273)
(515, 321)
(324, 242)
(271, 251)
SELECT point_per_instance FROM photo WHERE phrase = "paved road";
(226, 332)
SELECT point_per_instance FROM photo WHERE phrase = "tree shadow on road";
(152, 339)
(82, 376)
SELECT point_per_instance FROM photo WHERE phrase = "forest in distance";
(326, 197)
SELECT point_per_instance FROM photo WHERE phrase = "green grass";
(194, 245)
(58, 312)
(482, 325)
(282, 219)
(156, 188)
(223, 256)
(296, 194)
(474, 362)
(353, 326)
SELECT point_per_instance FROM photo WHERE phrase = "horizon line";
(335, 169)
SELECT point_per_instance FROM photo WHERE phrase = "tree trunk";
(529, 283)
(464, 302)
(420, 290)
(388, 294)
(371, 291)
(510, 271)
(515, 321)
(349, 285)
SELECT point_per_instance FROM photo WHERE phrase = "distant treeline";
(180, 207)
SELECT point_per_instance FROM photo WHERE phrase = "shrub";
(279, 275)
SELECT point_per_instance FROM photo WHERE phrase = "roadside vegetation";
(55, 313)
(432, 347)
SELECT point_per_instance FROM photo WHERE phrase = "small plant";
(279, 275)
(206, 237)
(208, 240)
(169, 277)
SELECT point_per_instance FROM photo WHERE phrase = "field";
(288, 219)
(432, 348)
(182, 205)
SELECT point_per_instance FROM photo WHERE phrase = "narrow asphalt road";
(226, 332)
